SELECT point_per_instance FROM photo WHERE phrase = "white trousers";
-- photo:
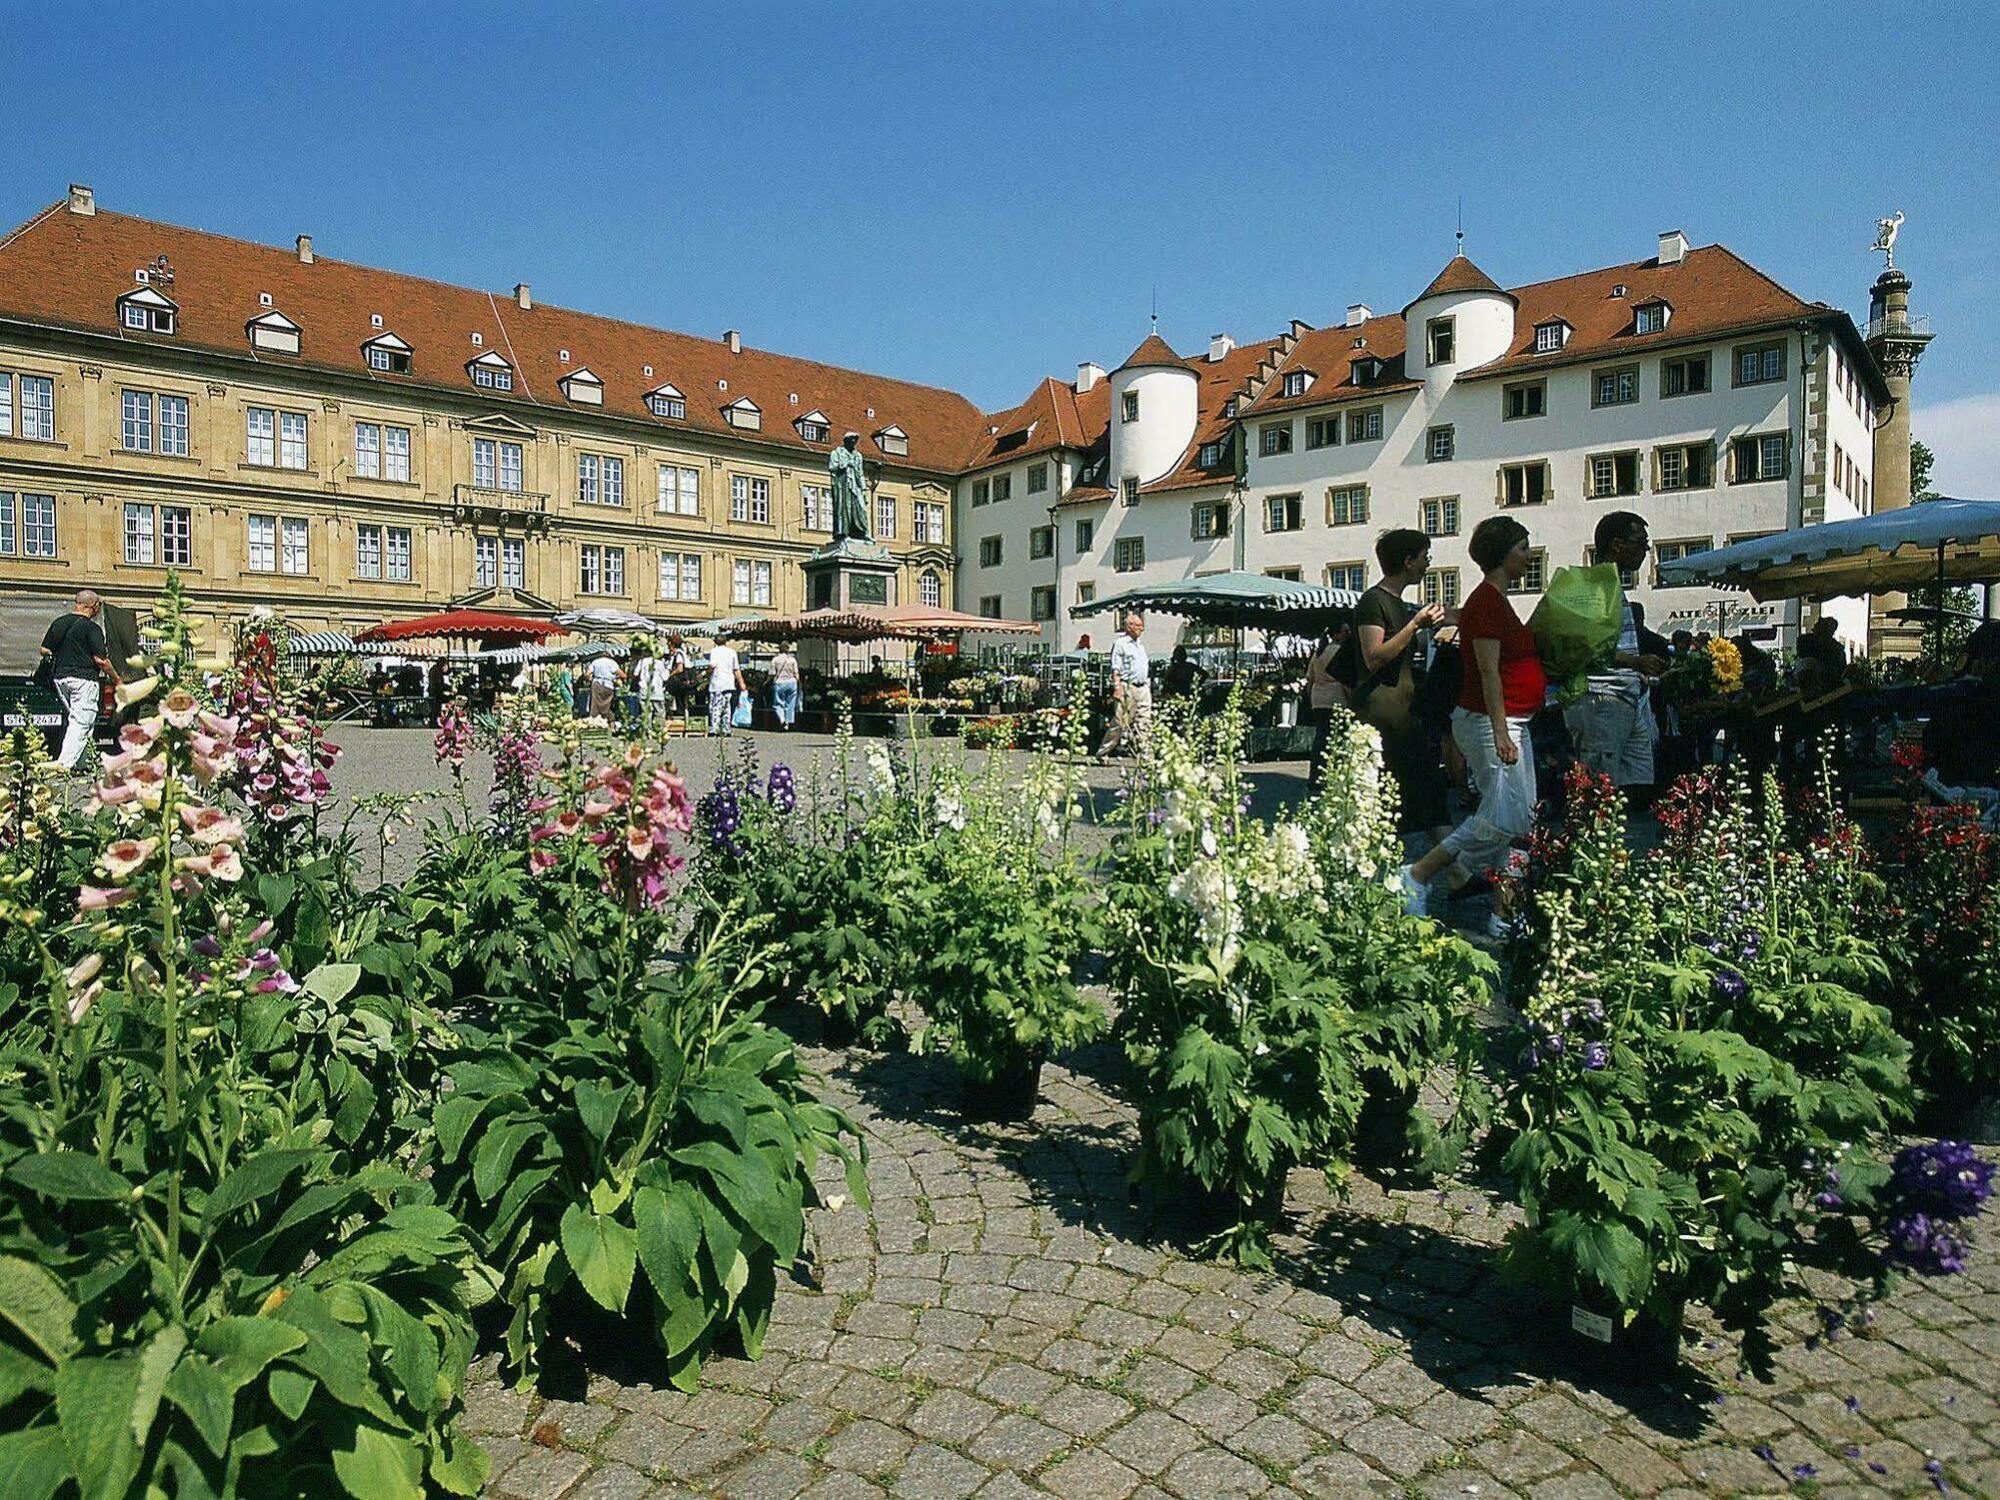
(1131, 718)
(79, 698)
(1506, 793)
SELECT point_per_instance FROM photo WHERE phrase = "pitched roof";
(1713, 291)
(1459, 275)
(1049, 419)
(1331, 353)
(70, 269)
(1152, 350)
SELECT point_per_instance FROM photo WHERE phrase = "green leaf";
(34, 1302)
(33, 1463)
(70, 1175)
(291, 1390)
(155, 1365)
(93, 1400)
(379, 1465)
(601, 1252)
(259, 1177)
(669, 1239)
(497, 1149)
(198, 1389)
(453, 1118)
(333, 1353)
(597, 1105)
(410, 1344)
(242, 1347)
(20, 1371)
(459, 1465)
(333, 982)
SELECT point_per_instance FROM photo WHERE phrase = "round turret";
(1154, 403)
(1463, 319)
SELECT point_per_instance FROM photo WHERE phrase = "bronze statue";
(845, 470)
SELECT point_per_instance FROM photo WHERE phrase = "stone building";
(354, 445)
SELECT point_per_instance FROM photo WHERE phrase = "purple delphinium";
(782, 790)
(1595, 1056)
(1944, 1179)
(1729, 986)
(1925, 1245)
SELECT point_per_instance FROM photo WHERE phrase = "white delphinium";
(881, 772)
(949, 810)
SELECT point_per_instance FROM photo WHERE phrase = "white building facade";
(1687, 387)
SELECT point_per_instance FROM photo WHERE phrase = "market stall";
(1289, 613)
(1936, 543)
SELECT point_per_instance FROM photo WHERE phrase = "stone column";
(1897, 341)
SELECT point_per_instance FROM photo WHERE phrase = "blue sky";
(977, 195)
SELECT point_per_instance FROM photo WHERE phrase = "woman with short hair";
(1502, 688)
(1386, 631)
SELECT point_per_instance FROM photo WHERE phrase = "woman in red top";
(1503, 687)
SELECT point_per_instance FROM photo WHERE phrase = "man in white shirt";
(1131, 689)
(725, 681)
(603, 687)
(652, 686)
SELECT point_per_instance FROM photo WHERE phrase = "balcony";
(1898, 326)
(478, 505)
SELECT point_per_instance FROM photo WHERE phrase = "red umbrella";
(475, 624)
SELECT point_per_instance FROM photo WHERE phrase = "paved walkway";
(1009, 1320)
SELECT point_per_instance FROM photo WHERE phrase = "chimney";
(1673, 247)
(1087, 376)
(523, 298)
(733, 339)
(305, 249)
(1219, 344)
(1358, 313)
(81, 199)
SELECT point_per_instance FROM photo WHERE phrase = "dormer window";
(1229, 408)
(274, 333)
(667, 401)
(1551, 335)
(146, 311)
(388, 354)
(1367, 370)
(744, 413)
(1651, 317)
(1210, 456)
(583, 387)
(491, 372)
(813, 426)
(893, 441)
(1297, 382)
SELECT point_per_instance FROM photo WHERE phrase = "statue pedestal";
(850, 572)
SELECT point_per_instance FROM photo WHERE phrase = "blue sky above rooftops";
(979, 195)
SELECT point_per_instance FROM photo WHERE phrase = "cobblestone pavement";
(1009, 1320)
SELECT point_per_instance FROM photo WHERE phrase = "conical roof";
(1460, 275)
(1154, 351)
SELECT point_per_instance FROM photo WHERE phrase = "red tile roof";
(70, 269)
(1458, 275)
(1329, 354)
(1049, 419)
(1152, 350)
(1713, 292)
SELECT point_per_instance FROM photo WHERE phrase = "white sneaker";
(1416, 896)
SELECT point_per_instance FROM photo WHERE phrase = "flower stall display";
(1710, 675)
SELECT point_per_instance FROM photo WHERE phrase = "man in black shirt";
(78, 661)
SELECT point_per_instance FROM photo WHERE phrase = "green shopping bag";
(1576, 624)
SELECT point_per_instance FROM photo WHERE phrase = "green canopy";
(1238, 600)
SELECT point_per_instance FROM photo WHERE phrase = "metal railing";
(1898, 325)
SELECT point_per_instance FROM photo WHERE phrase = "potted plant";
(1006, 914)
